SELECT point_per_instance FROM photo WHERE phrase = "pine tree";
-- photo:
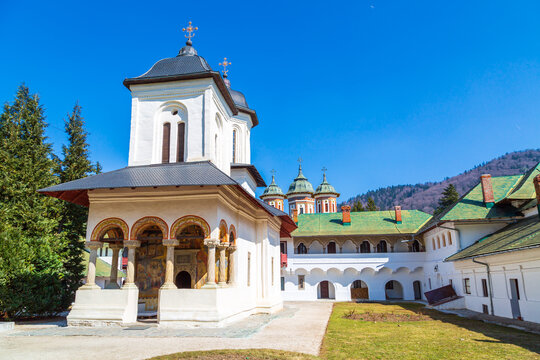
(357, 206)
(371, 205)
(30, 250)
(74, 165)
(449, 197)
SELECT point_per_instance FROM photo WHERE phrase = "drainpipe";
(489, 282)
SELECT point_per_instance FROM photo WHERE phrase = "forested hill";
(426, 196)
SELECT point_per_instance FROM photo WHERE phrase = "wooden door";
(324, 290)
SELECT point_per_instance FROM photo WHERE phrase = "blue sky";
(380, 92)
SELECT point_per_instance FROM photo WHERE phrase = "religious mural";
(150, 268)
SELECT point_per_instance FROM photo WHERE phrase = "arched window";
(382, 247)
(331, 248)
(444, 240)
(415, 247)
(433, 243)
(165, 151)
(438, 242)
(180, 142)
(234, 146)
(365, 247)
(301, 249)
(449, 238)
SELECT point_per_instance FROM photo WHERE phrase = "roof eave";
(251, 113)
(200, 75)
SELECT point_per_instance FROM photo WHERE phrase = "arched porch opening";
(301, 249)
(191, 255)
(326, 290)
(365, 247)
(393, 290)
(359, 290)
(150, 260)
(382, 246)
(183, 280)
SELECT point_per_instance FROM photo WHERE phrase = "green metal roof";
(362, 223)
(521, 235)
(300, 185)
(272, 190)
(472, 207)
(524, 190)
(102, 268)
(325, 188)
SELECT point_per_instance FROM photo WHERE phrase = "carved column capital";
(223, 245)
(232, 248)
(132, 243)
(116, 246)
(211, 243)
(94, 245)
(170, 242)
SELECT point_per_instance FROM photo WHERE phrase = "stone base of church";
(206, 307)
(104, 307)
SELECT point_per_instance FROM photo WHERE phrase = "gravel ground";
(282, 331)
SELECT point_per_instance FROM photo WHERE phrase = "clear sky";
(380, 92)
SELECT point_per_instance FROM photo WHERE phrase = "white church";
(201, 249)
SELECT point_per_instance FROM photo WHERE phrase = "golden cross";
(324, 169)
(225, 63)
(190, 31)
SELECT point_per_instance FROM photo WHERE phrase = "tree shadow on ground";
(502, 334)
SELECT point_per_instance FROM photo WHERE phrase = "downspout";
(489, 282)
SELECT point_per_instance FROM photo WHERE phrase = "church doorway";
(191, 256)
(359, 290)
(326, 290)
(393, 290)
(183, 280)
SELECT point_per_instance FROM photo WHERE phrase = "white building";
(202, 250)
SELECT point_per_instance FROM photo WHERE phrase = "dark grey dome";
(238, 98)
(187, 62)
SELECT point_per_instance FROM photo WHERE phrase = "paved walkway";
(299, 320)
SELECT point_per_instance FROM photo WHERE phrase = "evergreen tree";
(357, 206)
(449, 197)
(30, 250)
(371, 205)
(74, 165)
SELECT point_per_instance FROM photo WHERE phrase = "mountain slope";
(426, 196)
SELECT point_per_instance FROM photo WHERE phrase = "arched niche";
(315, 247)
(110, 225)
(223, 231)
(187, 220)
(143, 223)
(232, 235)
(393, 290)
(349, 247)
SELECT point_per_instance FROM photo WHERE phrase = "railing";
(283, 260)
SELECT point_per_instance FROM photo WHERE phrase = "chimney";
(398, 214)
(346, 214)
(537, 188)
(295, 216)
(487, 190)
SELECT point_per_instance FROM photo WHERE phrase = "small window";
(301, 281)
(382, 247)
(283, 247)
(165, 150)
(467, 286)
(282, 283)
(234, 146)
(331, 247)
(449, 238)
(485, 309)
(180, 142)
(301, 249)
(485, 288)
(365, 247)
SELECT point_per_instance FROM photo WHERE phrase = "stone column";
(132, 245)
(91, 274)
(222, 266)
(232, 264)
(169, 270)
(211, 266)
(115, 247)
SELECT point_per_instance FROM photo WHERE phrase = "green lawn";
(437, 336)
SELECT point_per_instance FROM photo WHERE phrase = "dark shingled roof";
(176, 174)
(524, 234)
(253, 172)
(239, 98)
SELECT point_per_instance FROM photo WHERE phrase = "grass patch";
(441, 336)
(392, 316)
(255, 354)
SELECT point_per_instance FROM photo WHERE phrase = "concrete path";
(305, 321)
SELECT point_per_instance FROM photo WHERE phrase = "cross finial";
(273, 172)
(225, 63)
(189, 30)
(300, 160)
(324, 169)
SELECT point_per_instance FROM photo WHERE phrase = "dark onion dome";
(188, 65)
(325, 188)
(300, 185)
(272, 190)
